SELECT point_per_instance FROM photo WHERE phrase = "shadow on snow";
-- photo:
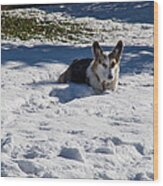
(71, 91)
(133, 12)
(135, 59)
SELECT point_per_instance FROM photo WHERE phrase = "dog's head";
(106, 66)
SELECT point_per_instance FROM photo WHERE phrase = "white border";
(52, 182)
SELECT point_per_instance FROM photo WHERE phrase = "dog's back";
(76, 72)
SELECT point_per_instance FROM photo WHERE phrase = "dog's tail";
(64, 77)
(61, 78)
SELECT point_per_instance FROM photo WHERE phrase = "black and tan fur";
(101, 73)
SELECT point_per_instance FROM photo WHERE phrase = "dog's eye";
(112, 64)
(104, 65)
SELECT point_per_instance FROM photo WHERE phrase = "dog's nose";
(110, 76)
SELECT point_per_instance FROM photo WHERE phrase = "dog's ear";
(117, 51)
(97, 50)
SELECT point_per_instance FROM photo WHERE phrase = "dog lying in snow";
(101, 73)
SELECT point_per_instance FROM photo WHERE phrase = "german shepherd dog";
(101, 73)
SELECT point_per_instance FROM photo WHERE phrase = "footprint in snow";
(140, 148)
(140, 177)
(71, 153)
(6, 143)
(104, 150)
(29, 167)
(34, 152)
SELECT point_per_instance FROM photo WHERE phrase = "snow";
(67, 131)
(71, 153)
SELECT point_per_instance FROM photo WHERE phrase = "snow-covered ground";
(65, 130)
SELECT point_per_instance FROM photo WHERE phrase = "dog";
(101, 72)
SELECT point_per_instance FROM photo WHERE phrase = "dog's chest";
(98, 79)
(93, 78)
